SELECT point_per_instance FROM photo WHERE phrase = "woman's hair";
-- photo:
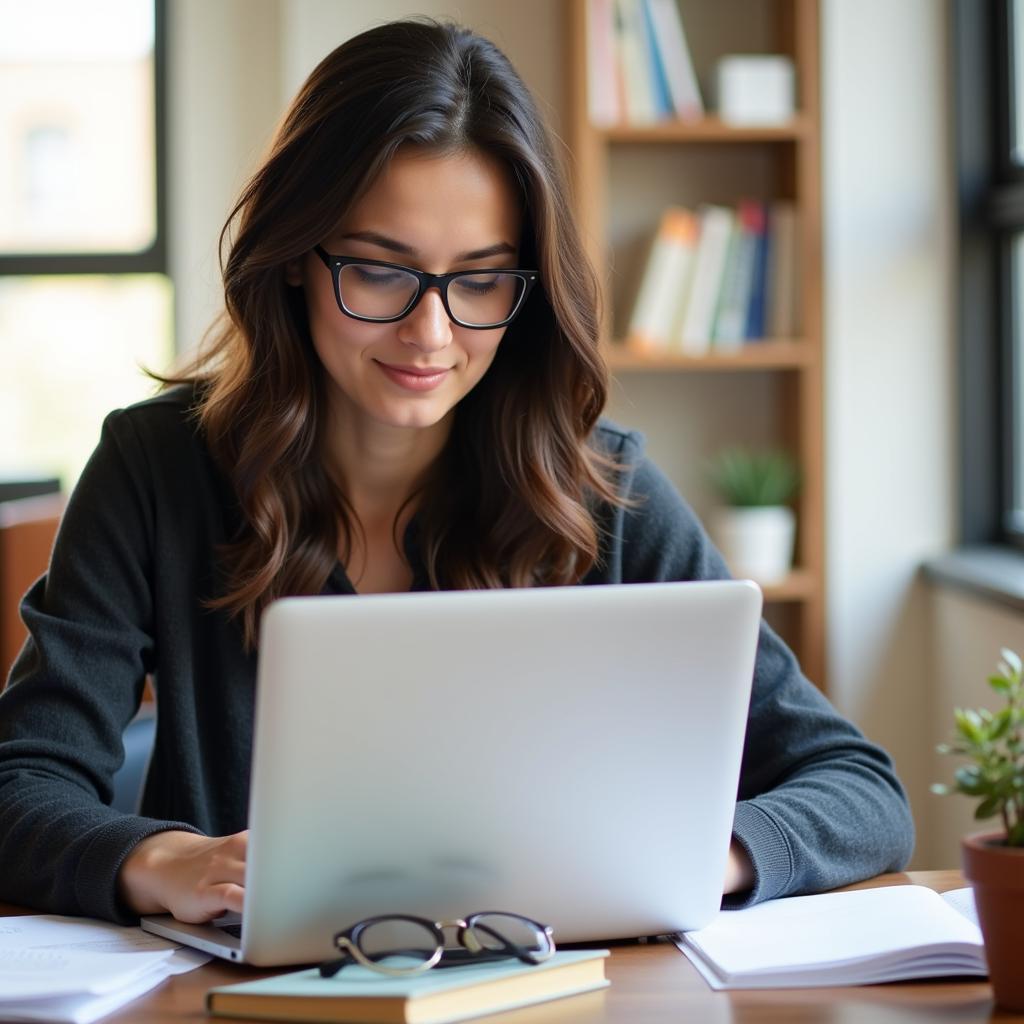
(513, 500)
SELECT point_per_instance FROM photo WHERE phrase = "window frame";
(152, 260)
(990, 190)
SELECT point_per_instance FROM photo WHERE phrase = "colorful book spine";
(670, 41)
(633, 57)
(660, 88)
(738, 277)
(716, 228)
(665, 284)
(754, 329)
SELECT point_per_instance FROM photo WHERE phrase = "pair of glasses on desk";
(420, 943)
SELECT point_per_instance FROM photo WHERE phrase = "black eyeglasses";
(381, 293)
(415, 944)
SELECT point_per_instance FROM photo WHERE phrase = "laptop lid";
(571, 754)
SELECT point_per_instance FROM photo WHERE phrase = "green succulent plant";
(993, 743)
(752, 479)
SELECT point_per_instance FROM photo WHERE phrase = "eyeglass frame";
(347, 943)
(425, 282)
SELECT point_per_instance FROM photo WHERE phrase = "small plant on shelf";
(745, 478)
(755, 527)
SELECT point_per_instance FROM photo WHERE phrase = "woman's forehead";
(465, 201)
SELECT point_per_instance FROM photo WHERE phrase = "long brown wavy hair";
(512, 501)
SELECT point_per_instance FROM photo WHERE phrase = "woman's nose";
(427, 326)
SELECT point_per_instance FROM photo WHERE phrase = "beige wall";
(890, 410)
(224, 98)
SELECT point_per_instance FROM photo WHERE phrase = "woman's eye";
(378, 275)
(478, 285)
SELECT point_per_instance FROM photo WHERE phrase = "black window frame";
(152, 260)
(990, 199)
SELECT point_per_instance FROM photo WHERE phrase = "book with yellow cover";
(434, 997)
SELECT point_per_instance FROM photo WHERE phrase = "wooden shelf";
(756, 355)
(707, 129)
(626, 175)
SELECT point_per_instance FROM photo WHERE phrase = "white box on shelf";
(755, 89)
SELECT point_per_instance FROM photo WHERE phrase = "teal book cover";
(357, 993)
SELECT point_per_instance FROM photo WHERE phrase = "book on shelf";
(665, 282)
(861, 937)
(604, 79)
(639, 68)
(755, 328)
(673, 53)
(737, 287)
(634, 58)
(433, 997)
(718, 279)
(698, 318)
(783, 278)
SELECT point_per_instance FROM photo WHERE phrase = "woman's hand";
(739, 872)
(195, 878)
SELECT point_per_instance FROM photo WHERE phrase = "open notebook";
(863, 937)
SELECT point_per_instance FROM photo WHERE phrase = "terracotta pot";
(996, 872)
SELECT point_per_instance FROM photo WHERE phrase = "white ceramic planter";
(757, 543)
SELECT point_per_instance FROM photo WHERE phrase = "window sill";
(988, 571)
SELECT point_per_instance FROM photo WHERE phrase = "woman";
(404, 395)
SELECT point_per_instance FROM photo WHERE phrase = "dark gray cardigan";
(134, 559)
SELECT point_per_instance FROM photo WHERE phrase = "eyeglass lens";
(397, 937)
(496, 932)
(384, 292)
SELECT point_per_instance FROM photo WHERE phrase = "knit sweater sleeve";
(75, 686)
(819, 805)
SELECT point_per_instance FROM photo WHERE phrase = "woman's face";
(431, 213)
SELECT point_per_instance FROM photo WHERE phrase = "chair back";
(27, 529)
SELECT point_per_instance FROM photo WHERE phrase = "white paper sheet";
(76, 970)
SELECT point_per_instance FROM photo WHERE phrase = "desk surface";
(655, 984)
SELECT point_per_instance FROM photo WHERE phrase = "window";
(84, 297)
(1008, 217)
(988, 40)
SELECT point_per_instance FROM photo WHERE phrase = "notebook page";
(808, 931)
(962, 901)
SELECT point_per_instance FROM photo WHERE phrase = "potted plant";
(755, 526)
(993, 744)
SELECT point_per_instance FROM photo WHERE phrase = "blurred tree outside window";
(84, 297)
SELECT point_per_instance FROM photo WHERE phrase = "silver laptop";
(571, 754)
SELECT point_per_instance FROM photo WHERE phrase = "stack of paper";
(76, 970)
(843, 938)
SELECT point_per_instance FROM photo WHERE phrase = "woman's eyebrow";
(402, 249)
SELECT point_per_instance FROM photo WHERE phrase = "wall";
(889, 408)
(224, 99)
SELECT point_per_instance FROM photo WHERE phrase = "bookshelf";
(624, 177)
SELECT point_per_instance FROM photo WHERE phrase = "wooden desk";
(655, 984)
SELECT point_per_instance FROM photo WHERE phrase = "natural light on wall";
(77, 177)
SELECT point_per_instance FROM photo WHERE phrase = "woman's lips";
(415, 378)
